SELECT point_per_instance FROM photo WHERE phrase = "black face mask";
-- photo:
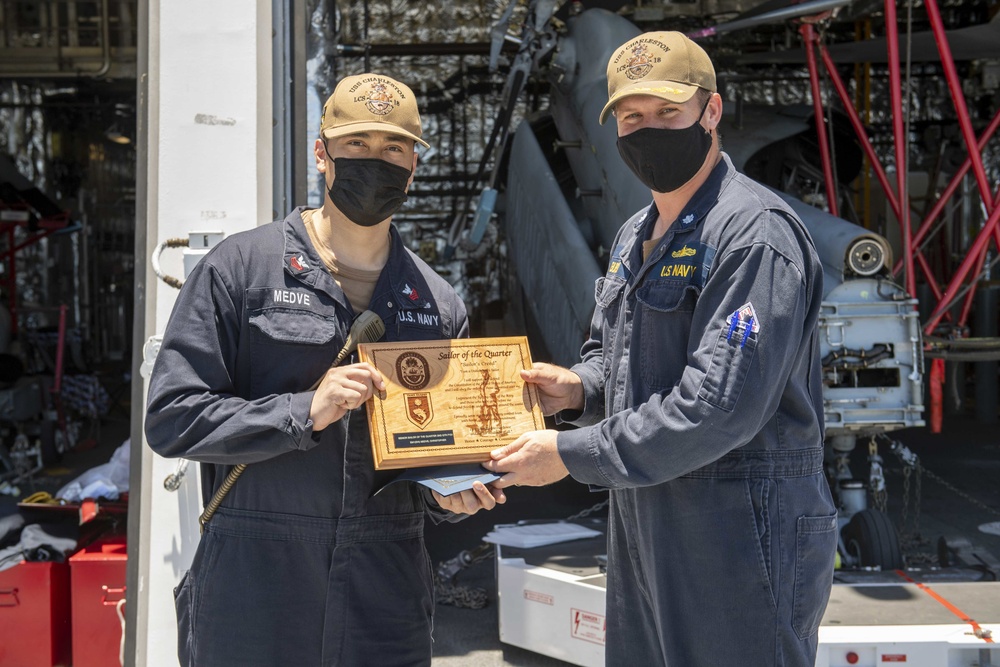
(368, 190)
(664, 159)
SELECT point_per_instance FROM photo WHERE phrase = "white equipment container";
(552, 601)
(872, 359)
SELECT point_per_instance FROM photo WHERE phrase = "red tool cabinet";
(97, 582)
(35, 615)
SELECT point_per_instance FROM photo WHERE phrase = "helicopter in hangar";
(561, 191)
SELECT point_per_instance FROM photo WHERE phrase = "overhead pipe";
(809, 37)
(426, 49)
(777, 16)
(99, 72)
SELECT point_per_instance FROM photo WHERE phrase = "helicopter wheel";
(871, 538)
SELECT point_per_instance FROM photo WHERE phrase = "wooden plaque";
(449, 401)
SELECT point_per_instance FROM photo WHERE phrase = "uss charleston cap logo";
(663, 64)
(379, 101)
(371, 103)
(640, 63)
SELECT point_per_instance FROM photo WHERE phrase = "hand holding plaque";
(449, 401)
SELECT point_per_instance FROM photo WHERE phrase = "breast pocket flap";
(294, 326)
(607, 290)
(667, 297)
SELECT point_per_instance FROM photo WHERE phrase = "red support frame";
(10, 260)
(958, 97)
(978, 248)
(859, 128)
(809, 36)
(47, 227)
(956, 180)
(898, 198)
(899, 142)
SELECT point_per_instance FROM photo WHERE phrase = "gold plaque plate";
(449, 401)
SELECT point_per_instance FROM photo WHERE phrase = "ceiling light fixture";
(114, 134)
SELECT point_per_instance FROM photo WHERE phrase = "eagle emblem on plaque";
(418, 409)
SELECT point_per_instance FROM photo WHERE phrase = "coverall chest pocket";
(290, 348)
(664, 313)
(607, 295)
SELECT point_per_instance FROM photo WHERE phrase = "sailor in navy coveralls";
(303, 564)
(699, 396)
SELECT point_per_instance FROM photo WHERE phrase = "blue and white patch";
(687, 219)
(741, 323)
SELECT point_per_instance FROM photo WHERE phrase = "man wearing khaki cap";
(303, 563)
(699, 396)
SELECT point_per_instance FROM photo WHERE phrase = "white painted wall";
(209, 147)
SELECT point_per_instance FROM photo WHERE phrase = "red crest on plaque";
(418, 409)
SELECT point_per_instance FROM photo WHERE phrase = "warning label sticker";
(588, 626)
(535, 596)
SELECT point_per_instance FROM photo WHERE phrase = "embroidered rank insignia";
(410, 293)
(742, 323)
(299, 263)
(684, 252)
(413, 296)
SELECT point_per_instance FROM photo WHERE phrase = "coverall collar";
(689, 219)
(302, 262)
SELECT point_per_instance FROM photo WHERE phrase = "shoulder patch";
(742, 323)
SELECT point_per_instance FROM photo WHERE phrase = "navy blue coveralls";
(703, 415)
(302, 565)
